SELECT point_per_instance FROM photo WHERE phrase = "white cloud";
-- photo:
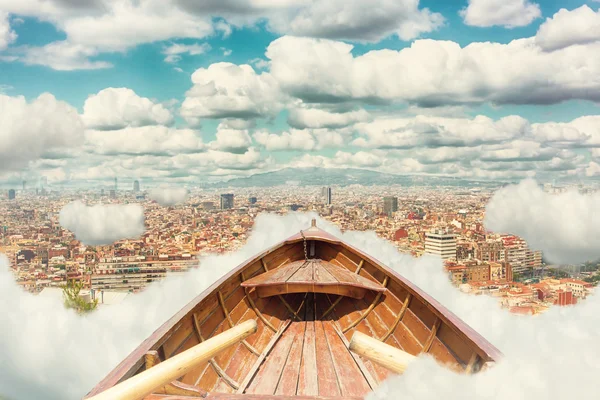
(214, 160)
(356, 20)
(30, 129)
(361, 159)
(159, 140)
(581, 132)
(228, 90)
(568, 28)
(259, 63)
(61, 56)
(226, 52)
(116, 108)
(301, 139)
(434, 73)
(564, 226)
(103, 224)
(428, 131)
(224, 28)
(7, 35)
(507, 13)
(174, 51)
(231, 140)
(295, 139)
(93, 27)
(338, 19)
(317, 118)
(593, 169)
(168, 196)
(126, 23)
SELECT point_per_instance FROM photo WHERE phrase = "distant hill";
(343, 177)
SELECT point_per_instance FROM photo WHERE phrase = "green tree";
(73, 300)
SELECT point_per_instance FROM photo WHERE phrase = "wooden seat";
(312, 276)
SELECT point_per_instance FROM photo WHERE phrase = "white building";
(440, 243)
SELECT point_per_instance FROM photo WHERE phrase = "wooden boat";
(309, 300)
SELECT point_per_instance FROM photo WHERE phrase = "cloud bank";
(566, 226)
(103, 224)
(28, 129)
(168, 196)
(551, 356)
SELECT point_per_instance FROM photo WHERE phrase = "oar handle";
(383, 354)
(144, 383)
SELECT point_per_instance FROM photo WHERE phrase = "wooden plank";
(352, 262)
(416, 326)
(422, 312)
(308, 382)
(288, 383)
(323, 275)
(443, 355)
(351, 380)
(455, 344)
(242, 361)
(266, 343)
(269, 373)
(251, 374)
(221, 396)
(370, 326)
(303, 274)
(359, 362)
(327, 379)
(407, 340)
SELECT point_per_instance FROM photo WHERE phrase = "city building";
(440, 243)
(489, 251)
(328, 196)
(227, 201)
(252, 200)
(11, 194)
(390, 205)
(518, 254)
(136, 186)
(113, 194)
(208, 205)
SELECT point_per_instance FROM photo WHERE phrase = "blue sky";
(452, 70)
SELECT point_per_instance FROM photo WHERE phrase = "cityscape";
(311, 199)
(446, 223)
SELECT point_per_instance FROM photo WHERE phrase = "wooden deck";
(312, 276)
(294, 369)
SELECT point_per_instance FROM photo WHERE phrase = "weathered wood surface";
(312, 276)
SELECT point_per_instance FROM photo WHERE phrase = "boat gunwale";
(126, 367)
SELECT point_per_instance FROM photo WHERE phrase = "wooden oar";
(383, 354)
(144, 383)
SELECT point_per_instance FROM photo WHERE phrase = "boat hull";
(280, 359)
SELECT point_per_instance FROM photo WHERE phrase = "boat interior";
(308, 296)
